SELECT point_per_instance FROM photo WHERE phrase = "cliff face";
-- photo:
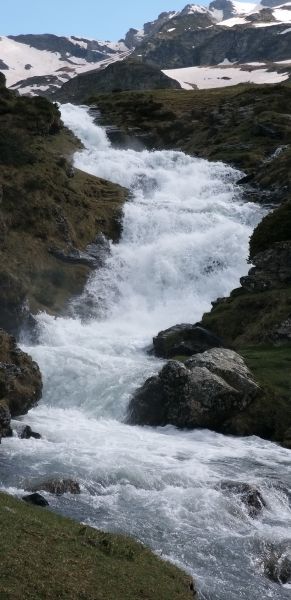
(49, 212)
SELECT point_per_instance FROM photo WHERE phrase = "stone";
(185, 340)
(249, 495)
(277, 565)
(5, 418)
(35, 499)
(206, 391)
(27, 433)
(272, 269)
(20, 377)
(58, 487)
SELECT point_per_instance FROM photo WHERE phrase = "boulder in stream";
(277, 565)
(57, 487)
(35, 499)
(205, 391)
(249, 495)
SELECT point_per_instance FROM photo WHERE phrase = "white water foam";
(184, 242)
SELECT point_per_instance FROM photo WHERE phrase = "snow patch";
(214, 77)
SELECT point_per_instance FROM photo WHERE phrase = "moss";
(46, 556)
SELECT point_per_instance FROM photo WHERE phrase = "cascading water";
(184, 243)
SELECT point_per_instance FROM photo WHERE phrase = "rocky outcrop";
(206, 391)
(184, 340)
(120, 76)
(20, 382)
(272, 269)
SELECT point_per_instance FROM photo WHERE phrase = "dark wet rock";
(204, 392)
(58, 487)
(185, 340)
(5, 418)
(35, 499)
(27, 434)
(277, 565)
(281, 334)
(249, 495)
(20, 377)
(20, 382)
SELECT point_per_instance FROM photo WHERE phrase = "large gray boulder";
(206, 391)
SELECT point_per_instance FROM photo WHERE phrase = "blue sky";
(101, 19)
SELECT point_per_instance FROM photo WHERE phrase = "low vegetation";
(243, 125)
(48, 557)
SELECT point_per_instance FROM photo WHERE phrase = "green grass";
(271, 366)
(47, 557)
(269, 416)
(248, 318)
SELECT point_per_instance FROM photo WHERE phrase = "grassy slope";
(242, 125)
(47, 557)
(43, 206)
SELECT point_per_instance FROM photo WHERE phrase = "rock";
(185, 340)
(5, 418)
(206, 391)
(272, 269)
(249, 495)
(27, 433)
(20, 377)
(58, 487)
(35, 499)
(277, 565)
(281, 334)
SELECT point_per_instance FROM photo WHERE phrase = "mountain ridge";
(196, 36)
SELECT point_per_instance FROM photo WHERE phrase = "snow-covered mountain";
(42, 63)
(244, 41)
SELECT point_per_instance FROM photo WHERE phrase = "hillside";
(50, 213)
(35, 64)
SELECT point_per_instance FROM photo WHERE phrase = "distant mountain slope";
(41, 63)
(228, 33)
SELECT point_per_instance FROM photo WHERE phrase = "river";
(184, 243)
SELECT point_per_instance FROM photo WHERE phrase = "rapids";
(184, 243)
